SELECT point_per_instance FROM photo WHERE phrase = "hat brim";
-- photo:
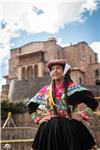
(56, 62)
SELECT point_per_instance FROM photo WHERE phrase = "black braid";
(66, 80)
(53, 95)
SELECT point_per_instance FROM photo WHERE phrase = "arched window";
(23, 73)
(97, 82)
(29, 72)
(80, 80)
(97, 73)
(36, 71)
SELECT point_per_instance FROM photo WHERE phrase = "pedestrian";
(53, 108)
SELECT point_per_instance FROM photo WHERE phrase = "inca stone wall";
(20, 89)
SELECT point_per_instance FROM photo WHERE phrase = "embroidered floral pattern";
(44, 97)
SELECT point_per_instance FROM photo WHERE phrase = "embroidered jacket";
(42, 103)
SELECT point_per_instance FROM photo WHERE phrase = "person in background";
(53, 109)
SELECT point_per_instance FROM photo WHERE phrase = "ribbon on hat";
(67, 67)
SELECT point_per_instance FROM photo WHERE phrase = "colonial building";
(28, 62)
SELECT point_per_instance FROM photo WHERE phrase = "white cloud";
(19, 15)
(90, 5)
(61, 43)
(96, 48)
(20, 41)
(5, 46)
(2, 82)
(12, 44)
(4, 56)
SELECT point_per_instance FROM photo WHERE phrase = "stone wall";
(79, 55)
(94, 128)
(33, 46)
(95, 89)
(94, 77)
(20, 89)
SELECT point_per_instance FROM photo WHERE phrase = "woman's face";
(57, 72)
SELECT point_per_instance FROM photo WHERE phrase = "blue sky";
(24, 21)
(71, 33)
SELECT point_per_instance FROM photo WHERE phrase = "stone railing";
(12, 133)
(18, 138)
(22, 144)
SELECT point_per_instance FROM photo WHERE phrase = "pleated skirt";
(60, 133)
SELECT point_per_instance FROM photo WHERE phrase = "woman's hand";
(44, 119)
(85, 116)
(77, 117)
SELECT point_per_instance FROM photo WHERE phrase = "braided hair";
(53, 95)
(67, 79)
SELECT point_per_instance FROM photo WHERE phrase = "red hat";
(59, 62)
(55, 62)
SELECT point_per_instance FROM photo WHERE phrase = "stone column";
(19, 73)
(40, 69)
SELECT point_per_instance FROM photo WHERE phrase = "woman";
(52, 107)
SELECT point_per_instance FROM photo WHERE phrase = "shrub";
(14, 108)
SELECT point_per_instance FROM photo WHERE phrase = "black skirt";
(60, 133)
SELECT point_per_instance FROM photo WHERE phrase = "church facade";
(29, 61)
